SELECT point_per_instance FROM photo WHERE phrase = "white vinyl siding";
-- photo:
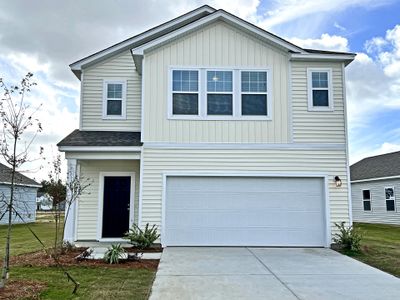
(87, 212)
(216, 46)
(317, 126)
(157, 162)
(25, 204)
(118, 68)
(378, 213)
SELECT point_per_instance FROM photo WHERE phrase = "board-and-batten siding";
(217, 45)
(379, 214)
(117, 67)
(159, 161)
(88, 209)
(314, 126)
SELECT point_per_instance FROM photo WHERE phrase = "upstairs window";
(390, 199)
(114, 102)
(366, 200)
(185, 92)
(220, 93)
(319, 90)
(254, 93)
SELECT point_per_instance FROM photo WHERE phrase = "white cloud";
(325, 42)
(284, 11)
(382, 149)
(338, 26)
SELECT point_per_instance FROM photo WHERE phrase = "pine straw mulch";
(41, 259)
(22, 289)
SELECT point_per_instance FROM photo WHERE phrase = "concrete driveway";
(268, 273)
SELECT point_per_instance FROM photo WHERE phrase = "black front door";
(117, 192)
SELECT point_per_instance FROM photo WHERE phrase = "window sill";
(220, 118)
(320, 109)
(113, 118)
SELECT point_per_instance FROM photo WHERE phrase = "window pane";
(219, 104)
(219, 81)
(254, 105)
(255, 82)
(319, 79)
(367, 205)
(114, 107)
(320, 98)
(185, 104)
(185, 81)
(114, 90)
(389, 193)
(390, 205)
(366, 195)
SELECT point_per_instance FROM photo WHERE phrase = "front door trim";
(101, 201)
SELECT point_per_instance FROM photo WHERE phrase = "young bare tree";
(19, 130)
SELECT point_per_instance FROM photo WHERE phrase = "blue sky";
(45, 37)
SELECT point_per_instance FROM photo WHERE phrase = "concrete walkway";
(268, 273)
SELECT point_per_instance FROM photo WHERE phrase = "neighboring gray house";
(25, 196)
(215, 130)
(375, 189)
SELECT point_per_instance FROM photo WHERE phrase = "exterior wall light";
(338, 181)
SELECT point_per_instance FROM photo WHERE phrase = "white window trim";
(123, 104)
(311, 107)
(236, 94)
(394, 199)
(363, 200)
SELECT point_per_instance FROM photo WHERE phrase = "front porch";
(110, 161)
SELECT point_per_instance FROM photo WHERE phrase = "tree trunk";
(6, 266)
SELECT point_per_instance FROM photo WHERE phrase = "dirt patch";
(154, 249)
(22, 289)
(41, 259)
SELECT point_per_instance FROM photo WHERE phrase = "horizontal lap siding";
(88, 203)
(158, 161)
(317, 127)
(219, 45)
(24, 203)
(378, 202)
(118, 67)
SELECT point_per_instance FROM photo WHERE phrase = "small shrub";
(142, 238)
(114, 254)
(348, 237)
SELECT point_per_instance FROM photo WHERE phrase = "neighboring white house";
(25, 196)
(375, 189)
(215, 130)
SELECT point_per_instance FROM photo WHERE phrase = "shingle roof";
(384, 165)
(327, 51)
(101, 138)
(5, 177)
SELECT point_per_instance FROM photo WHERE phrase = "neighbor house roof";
(380, 166)
(20, 179)
(79, 138)
(193, 20)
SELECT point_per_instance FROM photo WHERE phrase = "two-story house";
(215, 130)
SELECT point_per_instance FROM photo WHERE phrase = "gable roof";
(141, 38)
(191, 21)
(20, 179)
(380, 166)
(79, 138)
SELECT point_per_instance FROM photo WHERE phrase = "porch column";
(70, 224)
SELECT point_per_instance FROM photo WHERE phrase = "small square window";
(114, 107)
(366, 194)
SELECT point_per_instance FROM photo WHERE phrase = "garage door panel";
(244, 211)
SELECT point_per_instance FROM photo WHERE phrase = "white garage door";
(244, 211)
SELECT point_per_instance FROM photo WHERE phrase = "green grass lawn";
(22, 240)
(95, 282)
(380, 247)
